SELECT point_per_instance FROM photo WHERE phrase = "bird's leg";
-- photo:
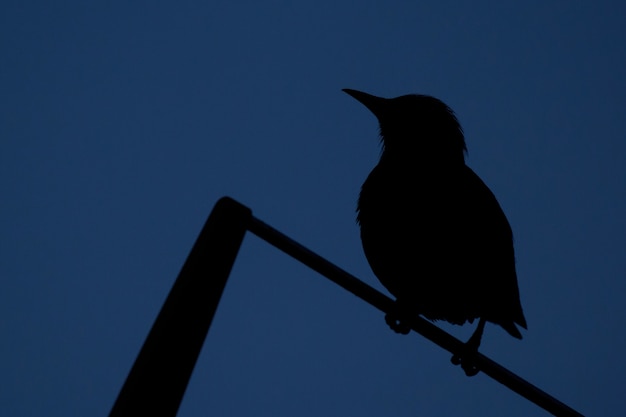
(394, 319)
(468, 355)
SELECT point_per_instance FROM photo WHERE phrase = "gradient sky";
(122, 123)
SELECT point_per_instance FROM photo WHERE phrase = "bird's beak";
(373, 103)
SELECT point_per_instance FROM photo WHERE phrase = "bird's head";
(416, 124)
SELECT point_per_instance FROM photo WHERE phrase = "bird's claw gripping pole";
(467, 358)
(396, 324)
(157, 381)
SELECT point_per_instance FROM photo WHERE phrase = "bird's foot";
(467, 357)
(394, 319)
(467, 360)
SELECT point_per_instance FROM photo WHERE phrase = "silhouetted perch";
(158, 379)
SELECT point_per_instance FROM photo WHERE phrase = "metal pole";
(421, 326)
(157, 381)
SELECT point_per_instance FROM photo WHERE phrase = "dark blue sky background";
(123, 123)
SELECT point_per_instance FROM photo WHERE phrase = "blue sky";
(123, 123)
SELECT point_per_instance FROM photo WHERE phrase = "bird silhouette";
(432, 231)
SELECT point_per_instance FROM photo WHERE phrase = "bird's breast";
(427, 233)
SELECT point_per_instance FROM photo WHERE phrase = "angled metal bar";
(418, 324)
(157, 381)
